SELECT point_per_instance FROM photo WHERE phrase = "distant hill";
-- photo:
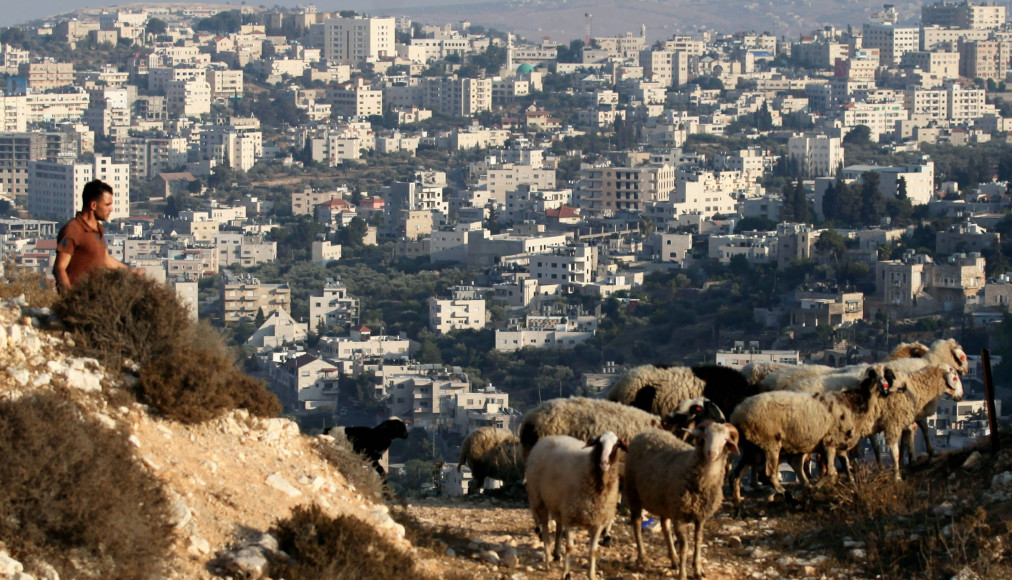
(564, 19)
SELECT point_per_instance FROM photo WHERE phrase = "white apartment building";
(880, 117)
(355, 99)
(357, 39)
(819, 155)
(756, 247)
(238, 145)
(335, 145)
(54, 187)
(964, 15)
(966, 104)
(246, 250)
(508, 177)
(741, 355)
(362, 344)
(942, 64)
(892, 41)
(148, 156)
(604, 190)
(465, 309)
(225, 84)
(703, 193)
(160, 77)
(571, 266)
(188, 98)
(455, 96)
(334, 308)
(545, 332)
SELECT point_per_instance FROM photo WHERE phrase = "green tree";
(860, 135)
(155, 26)
(260, 319)
(831, 243)
(353, 234)
(872, 205)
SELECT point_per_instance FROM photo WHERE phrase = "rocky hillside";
(230, 480)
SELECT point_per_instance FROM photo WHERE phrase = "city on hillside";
(450, 223)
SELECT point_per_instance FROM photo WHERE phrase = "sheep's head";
(692, 412)
(953, 386)
(876, 379)
(394, 428)
(716, 440)
(606, 447)
(959, 355)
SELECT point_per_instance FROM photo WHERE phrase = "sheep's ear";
(732, 440)
(696, 432)
(623, 445)
(592, 441)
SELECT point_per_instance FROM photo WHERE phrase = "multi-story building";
(464, 309)
(827, 308)
(570, 267)
(915, 283)
(546, 331)
(54, 187)
(307, 382)
(892, 41)
(742, 354)
(358, 39)
(460, 97)
(355, 99)
(819, 155)
(246, 250)
(188, 98)
(17, 149)
(985, 59)
(335, 308)
(501, 179)
(604, 190)
(939, 63)
(237, 144)
(43, 76)
(964, 15)
(242, 297)
(160, 77)
(225, 83)
(304, 201)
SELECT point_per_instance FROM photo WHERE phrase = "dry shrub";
(73, 495)
(39, 290)
(356, 468)
(343, 547)
(192, 386)
(119, 314)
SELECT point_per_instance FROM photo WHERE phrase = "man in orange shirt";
(80, 245)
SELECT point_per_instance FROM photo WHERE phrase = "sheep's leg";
(922, 423)
(569, 549)
(594, 537)
(636, 515)
(545, 533)
(666, 526)
(800, 465)
(773, 467)
(830, 455)
(893, 441)
(683, 550)
(907, 445)
(736, 476)
(697, 568)
(559, 531)
(876, 444)
(845, 458)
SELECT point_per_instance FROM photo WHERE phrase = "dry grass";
(192, 386)
(39, 291)
(72, 494)
(117, 315)
(343, 547)
(355, 467)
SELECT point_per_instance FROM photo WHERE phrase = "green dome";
(524, 69)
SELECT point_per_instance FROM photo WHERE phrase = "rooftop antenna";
(586, 40)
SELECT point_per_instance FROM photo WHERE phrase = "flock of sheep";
(660, 440)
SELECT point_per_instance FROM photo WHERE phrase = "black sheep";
(374, 441)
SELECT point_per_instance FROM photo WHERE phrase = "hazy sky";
(15, 12)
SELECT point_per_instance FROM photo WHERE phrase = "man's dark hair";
(93, 191)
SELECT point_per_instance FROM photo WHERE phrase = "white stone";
(249, 563)
(510, 558)
(106, 421)
(3, 337)
(134, 440)
(84, 380)
(42, 379)
(1001, 480)
(490, 557)
(179, 515)
(57, 368)
(279, 483)
(9, 566)
(20, 375)
(14, 334)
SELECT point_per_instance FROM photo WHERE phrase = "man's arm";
(113, 263)
(60, 271)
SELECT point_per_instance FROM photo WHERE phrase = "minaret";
(509, 55)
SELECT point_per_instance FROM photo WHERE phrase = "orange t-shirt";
(85, 245)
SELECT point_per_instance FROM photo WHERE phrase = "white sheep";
(913, 391)
(492, 452)
(575, 484)
(659, 389)
(583, 418)
(946, 351)
(786, 378)
(794, 422)
(755, 371)
(678, 482)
